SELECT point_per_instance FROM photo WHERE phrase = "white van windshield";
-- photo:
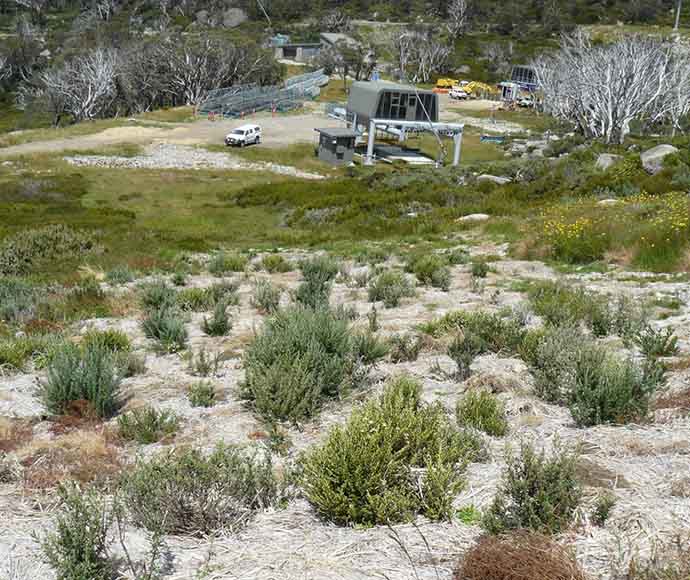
(238, 132)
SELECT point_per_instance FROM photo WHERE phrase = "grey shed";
(336, 145)
(384, 100)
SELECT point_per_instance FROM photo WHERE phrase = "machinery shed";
(384, 100)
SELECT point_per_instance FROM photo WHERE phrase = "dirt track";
(277, 132)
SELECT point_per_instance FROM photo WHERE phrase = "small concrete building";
(283, 49)
(336, 145)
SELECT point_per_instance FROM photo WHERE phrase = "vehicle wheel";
(258, 140)
(241, 143)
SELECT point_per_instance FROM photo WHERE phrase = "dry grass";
(592, 474)
(84, 455)
(518, 556)
(14, 433)
(676, 401)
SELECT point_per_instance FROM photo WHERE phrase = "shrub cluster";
(166, 325)
(147, 425)
(16, 352)
(405, 347)
(537, 492)
(77, 549)
(396, 457)
(302, 357)
(266, 297)
(430, 270)
(88, 374)
(273, 263)
(19, 252)
(222, 263)
(597, 386)
(318, 273)
(186, 492)
(524, 554)
(219, 324)
(18, 299)
(480, 409)
(202, 394)
(119, 275)
(389, 287)
(565, 305)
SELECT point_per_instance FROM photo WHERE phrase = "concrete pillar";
(369, 157)
(354, 122)
(457, 148)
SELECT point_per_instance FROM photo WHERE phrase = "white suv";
(244, 135)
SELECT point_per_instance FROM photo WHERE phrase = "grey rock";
(473, 217)
(494, 179)
(653, 159)
(233, 17)
(606, 160)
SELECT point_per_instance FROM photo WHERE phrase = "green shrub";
(367, 349)
(223, 292)
(205, 364)
(165, 324)
(656, 343)
(536, 492)
(390, 287)
(554, 360)
(480, 409)
(371, 255)
(405, 347)
(568, 305)
(457, 257)
(77, 547)
(179, 278)
(111, 340)
(430, 270)
(76, 374)
(602, 508)
(273, 263)
(147, 425)
(18, 299)
(318, 273)
(479, 333)
(185, 492)
(266, 297)
(194, 300)
(157, 295)
(202, 394)
(221, 263)
(300, 358)
(479, 269)
(219, 324)
(16, 352)
(608, 390)
(119, 275)
(19, 252)
(365, 473)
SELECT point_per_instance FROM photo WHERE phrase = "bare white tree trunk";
(603, 89)
(456, 19)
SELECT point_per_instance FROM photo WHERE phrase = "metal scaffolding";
(239, 100)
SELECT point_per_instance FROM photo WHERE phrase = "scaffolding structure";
(240, 100)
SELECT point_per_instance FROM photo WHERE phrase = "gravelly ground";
(642, 462)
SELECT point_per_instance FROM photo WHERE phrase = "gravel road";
(171, 156)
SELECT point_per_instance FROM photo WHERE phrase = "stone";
(473, 218)
(233, 17)
(653, 159)
(494, 179)
(606, 160)
(608, 202)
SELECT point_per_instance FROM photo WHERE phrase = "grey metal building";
(336, 145)
(397, 109)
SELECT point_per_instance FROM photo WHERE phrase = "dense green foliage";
(537, 492)
(76, 375)
(480, 409)
(363, 473)
(186, 492)
(147, 425)
(301, 358)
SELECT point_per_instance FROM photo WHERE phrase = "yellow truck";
(446, 83)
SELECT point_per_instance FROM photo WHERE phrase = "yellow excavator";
(446, 83)
(476, 88)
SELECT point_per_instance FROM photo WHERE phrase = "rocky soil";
(644, 465)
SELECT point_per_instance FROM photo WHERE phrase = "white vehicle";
(458, 93)
(244, 135)
(525, 101)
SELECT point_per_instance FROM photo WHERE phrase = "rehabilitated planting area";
(388, 372)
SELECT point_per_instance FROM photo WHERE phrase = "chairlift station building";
(397, 109)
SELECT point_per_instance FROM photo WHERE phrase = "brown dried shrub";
(14, 433)
(83, 455)
(518, 556)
